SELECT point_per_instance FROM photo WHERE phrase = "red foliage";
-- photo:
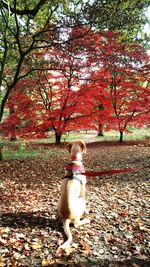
(97, 81)
(124, 68)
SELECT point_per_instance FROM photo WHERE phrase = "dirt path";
(118, 235)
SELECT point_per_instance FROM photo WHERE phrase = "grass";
(21, 150)
(19, 154)
(30, 153)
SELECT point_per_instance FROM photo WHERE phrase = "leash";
(109, 172)
(80, 169)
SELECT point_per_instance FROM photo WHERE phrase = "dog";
(72, 205)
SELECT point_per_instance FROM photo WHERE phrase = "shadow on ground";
(105, 263)
(136, 263)
(29, 219)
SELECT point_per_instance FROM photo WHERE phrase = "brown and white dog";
(72, 204)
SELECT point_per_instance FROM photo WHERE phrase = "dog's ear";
(69, 146)
(83, 146)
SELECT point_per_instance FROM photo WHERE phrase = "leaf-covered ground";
(118, 235)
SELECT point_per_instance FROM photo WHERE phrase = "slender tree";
(126, 75)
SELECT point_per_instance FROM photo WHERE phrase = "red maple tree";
(124, 68)
(97, 82)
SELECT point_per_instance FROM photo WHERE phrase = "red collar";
(75, 166)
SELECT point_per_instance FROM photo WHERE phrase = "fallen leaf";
(2, 262)
(45, 262)
(36, 246)
(85, 247)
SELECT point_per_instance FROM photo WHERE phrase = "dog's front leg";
(82, 191)
(82, 195)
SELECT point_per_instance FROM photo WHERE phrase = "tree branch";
(31, 12)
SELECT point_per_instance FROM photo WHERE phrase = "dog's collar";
(75, 167)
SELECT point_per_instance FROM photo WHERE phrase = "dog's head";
(76, 148)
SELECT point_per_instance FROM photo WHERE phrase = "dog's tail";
(66, 225)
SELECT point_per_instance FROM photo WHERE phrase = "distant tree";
(23, 120)
(50, 105)
(58, 95)
(126, 75)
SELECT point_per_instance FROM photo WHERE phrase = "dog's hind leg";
(66, 225)
(81, 222)
(81, 211)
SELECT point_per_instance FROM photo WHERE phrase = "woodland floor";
(118, 235)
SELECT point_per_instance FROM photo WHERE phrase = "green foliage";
(127, 17)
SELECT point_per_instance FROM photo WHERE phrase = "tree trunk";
(100, 130)
(1, 154)
(13, 136)
(58, 138)
(4, 100)
(121, 136)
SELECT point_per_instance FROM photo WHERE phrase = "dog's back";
(69, 195)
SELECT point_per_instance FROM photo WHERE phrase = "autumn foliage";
(94, 82)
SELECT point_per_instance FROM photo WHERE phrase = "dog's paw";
(60, 251)
(81, 222)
